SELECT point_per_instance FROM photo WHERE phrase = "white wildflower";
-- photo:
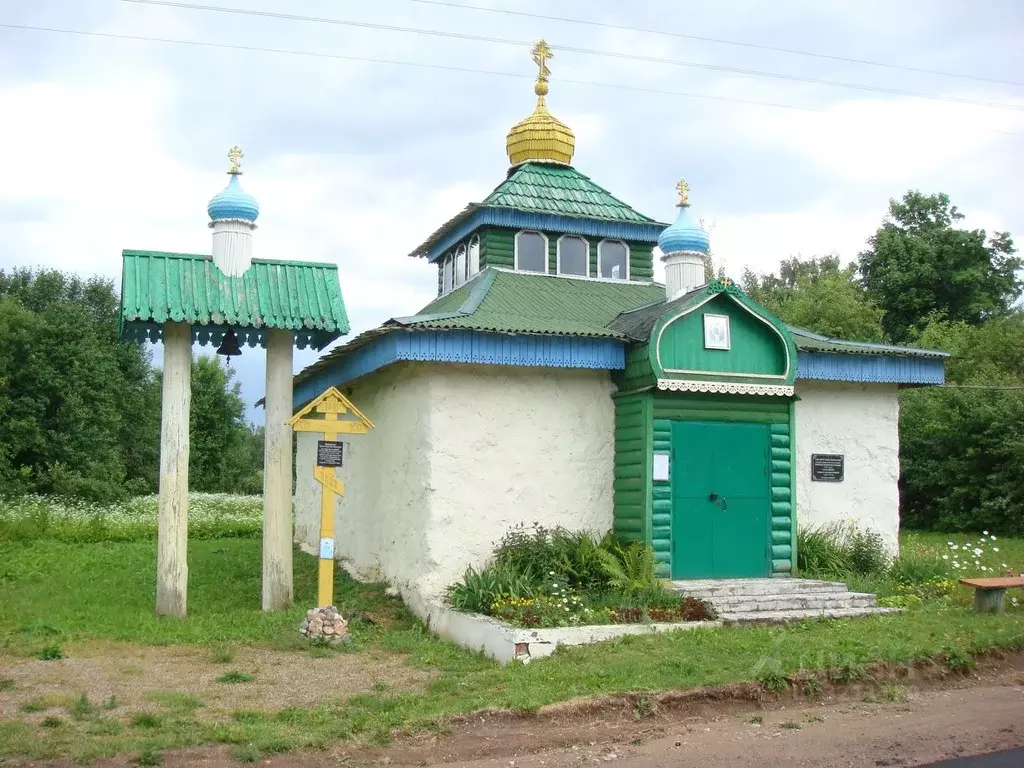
(995, 549)
(945, 557)
(985, 533)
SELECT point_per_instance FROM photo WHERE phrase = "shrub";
(916, 566)
(538, 553)
(631, 570)
(820, 551)
(839, 549)
(479, 590)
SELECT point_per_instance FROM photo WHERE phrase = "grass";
(234, 676)
(40, 604)
(210, 516)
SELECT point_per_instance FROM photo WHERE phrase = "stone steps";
(779, 600)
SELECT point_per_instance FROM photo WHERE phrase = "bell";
(229, 346)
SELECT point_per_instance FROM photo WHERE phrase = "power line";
(585, 51)
(367, 59)
(720, 41)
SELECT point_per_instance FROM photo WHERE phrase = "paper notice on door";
(661, 466)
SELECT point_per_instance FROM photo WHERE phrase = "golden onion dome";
(541, 136)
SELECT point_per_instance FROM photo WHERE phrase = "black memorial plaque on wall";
(329, 453)
(827, 467)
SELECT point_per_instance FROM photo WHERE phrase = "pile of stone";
(325, 625)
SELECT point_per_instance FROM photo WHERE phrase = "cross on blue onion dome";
(685, 234)
(234, 202)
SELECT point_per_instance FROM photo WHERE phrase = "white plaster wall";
(860, 421)
(460, 454)
(380, 521)
(514, 445)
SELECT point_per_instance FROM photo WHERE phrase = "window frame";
(447, 275)
(473, 259)
(547, 252)
(558, 257)
(600, 271)
(459, 270)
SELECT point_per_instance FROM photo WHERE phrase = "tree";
(819, 295)
(67, 392)
(962, 446)
(220, 452)
(920, 267)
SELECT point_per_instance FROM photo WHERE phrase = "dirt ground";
(933, 717)
(142, 678)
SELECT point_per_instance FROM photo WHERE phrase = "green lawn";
(56, 593)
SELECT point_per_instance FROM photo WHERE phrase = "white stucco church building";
(552, 381)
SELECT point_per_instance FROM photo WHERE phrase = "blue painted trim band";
(510, 217)
(466, 347)
(870, 369)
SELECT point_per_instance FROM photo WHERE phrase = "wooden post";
(989, 600)
(277, 474)
(172, 518)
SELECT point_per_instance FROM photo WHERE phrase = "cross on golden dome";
(541, 53)
(235, 155)
(683, 189)
(541, 137)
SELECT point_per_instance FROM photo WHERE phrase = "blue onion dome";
(685, 234)
(234, 202)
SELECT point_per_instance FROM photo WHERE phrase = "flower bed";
(557, 578)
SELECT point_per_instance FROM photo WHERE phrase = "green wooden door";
(720, 500)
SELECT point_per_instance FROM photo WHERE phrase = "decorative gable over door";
(716, 339)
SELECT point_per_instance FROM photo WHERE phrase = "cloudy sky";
(109, 143)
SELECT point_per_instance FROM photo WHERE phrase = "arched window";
(460, 266)
(446, 280)
(613, 260)
(474, 255)
(531, 252)
(573, 256)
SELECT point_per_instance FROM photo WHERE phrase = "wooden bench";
(989, 594)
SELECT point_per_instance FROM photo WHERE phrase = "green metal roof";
(298, 296)
(814, 342)
(637, 324)
(552, 190)
(518, 302)
(560, 189)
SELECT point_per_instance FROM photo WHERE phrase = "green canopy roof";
(297, 296)
(548, 190)
(563, 190)
(518, 302)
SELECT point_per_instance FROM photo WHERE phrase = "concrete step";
(792, 602)
(777, 617)
(709, 589)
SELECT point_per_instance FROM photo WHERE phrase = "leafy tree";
(919, 266)
(819, 295)
(962, 446)
(66, 393)
(220, 451)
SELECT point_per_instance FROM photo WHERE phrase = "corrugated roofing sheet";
(291, 295)
(561, 189)
(809, 341)
(517, 302)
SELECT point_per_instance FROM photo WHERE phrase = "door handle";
(712, 496)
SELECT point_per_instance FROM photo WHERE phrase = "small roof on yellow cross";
(332, 405)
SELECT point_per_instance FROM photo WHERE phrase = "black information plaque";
(328, 453)
(827, 467)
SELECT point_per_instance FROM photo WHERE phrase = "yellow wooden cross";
(331, 414)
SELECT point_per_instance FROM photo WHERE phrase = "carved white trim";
(679, 385)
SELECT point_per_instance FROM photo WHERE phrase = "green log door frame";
(761, 351)
(643, 427)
